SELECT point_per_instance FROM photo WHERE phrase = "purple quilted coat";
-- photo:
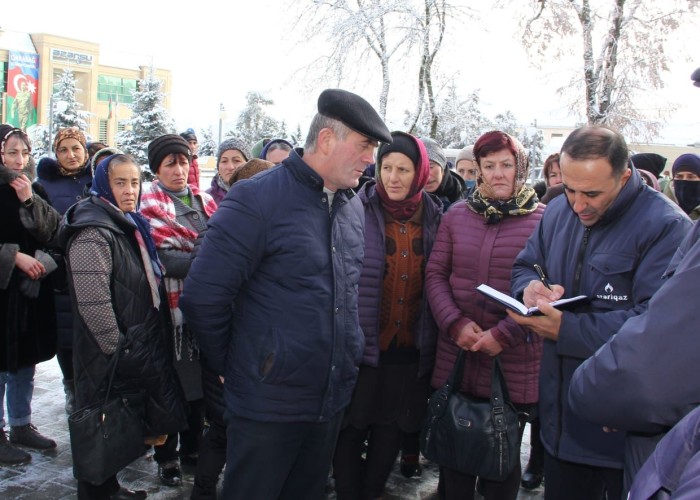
(468, 252)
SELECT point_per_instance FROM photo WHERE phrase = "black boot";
(533, 475)
(69, 389)
(11, 455)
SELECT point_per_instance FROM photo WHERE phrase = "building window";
(103, 131)
(116, 88)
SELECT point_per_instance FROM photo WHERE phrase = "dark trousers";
(285, 460)
(571, 481)
(356, 478)
(64, 355)
(212, 458)
(88, 491)
(536, 460)
(189, 439)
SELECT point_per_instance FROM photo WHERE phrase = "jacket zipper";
(577, 285)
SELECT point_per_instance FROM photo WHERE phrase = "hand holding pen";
(541, 289)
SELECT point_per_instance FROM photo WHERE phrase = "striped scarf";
(158, 207)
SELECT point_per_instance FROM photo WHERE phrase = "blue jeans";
(19, 388)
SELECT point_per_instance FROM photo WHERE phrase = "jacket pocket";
(612, 285)
(292, 359)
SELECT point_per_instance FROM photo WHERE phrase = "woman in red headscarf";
(391, 394)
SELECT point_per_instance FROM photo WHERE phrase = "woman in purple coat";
(477, 242)
(231, 156)
(391, 394)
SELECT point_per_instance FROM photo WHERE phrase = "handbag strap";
(499, 389)
(113, 367)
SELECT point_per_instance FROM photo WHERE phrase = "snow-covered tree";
(476, 123)
(430, 18)
(207, 144)
(356, 31)
(533, 140)
(149, 120)
(506, 122)
(297, 138)
(622, 48)
(460, 121)
(41, 141)
(253, 122)
(66, 109)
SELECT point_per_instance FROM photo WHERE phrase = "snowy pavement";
(50, 474)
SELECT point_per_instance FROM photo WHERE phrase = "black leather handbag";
(475, 436)
(107, 436)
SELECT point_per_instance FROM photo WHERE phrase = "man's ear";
(326, 141)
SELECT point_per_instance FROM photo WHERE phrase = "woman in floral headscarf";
(66, 180)
(477, 242)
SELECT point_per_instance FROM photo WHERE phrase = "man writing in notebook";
(610, 238)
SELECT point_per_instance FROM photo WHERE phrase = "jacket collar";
(307, 175)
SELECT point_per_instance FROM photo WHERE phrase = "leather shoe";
(126, 494)
(410, 466)
(170, 474)
(532, 478)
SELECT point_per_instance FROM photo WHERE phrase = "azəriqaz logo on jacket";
(609, 295)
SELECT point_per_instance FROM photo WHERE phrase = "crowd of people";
(288, 324)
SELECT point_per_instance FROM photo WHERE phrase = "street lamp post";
(222, 117)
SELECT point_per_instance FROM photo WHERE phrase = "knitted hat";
(249, 169)
(402, 143)
(271, 143)
(69, 133)
(100, 155)
(689, 162)
(233, 143)
(465, 154)
(651, 162)
(258, 147)
(354, 112)
(435, 152)
(162, 146)
(189, 135)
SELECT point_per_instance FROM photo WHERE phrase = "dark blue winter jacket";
(372, 278)
(272, 296)
(673, 471)
(644, 380)
(63, 191)
(618, 263)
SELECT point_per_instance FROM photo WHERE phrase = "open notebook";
(519, 307)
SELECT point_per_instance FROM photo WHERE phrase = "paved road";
(50, 475)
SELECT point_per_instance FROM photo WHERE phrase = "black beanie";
(651, 162)
(402, 143)
(162, 146)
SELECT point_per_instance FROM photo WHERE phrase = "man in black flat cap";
(272, 298)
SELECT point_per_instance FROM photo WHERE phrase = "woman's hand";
(23, 187)
(487, 344)
(31, 267)
(468, 336)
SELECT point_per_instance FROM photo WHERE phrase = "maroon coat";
(469, 252)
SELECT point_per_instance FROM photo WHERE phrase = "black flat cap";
(354, 112)
(696, 77)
